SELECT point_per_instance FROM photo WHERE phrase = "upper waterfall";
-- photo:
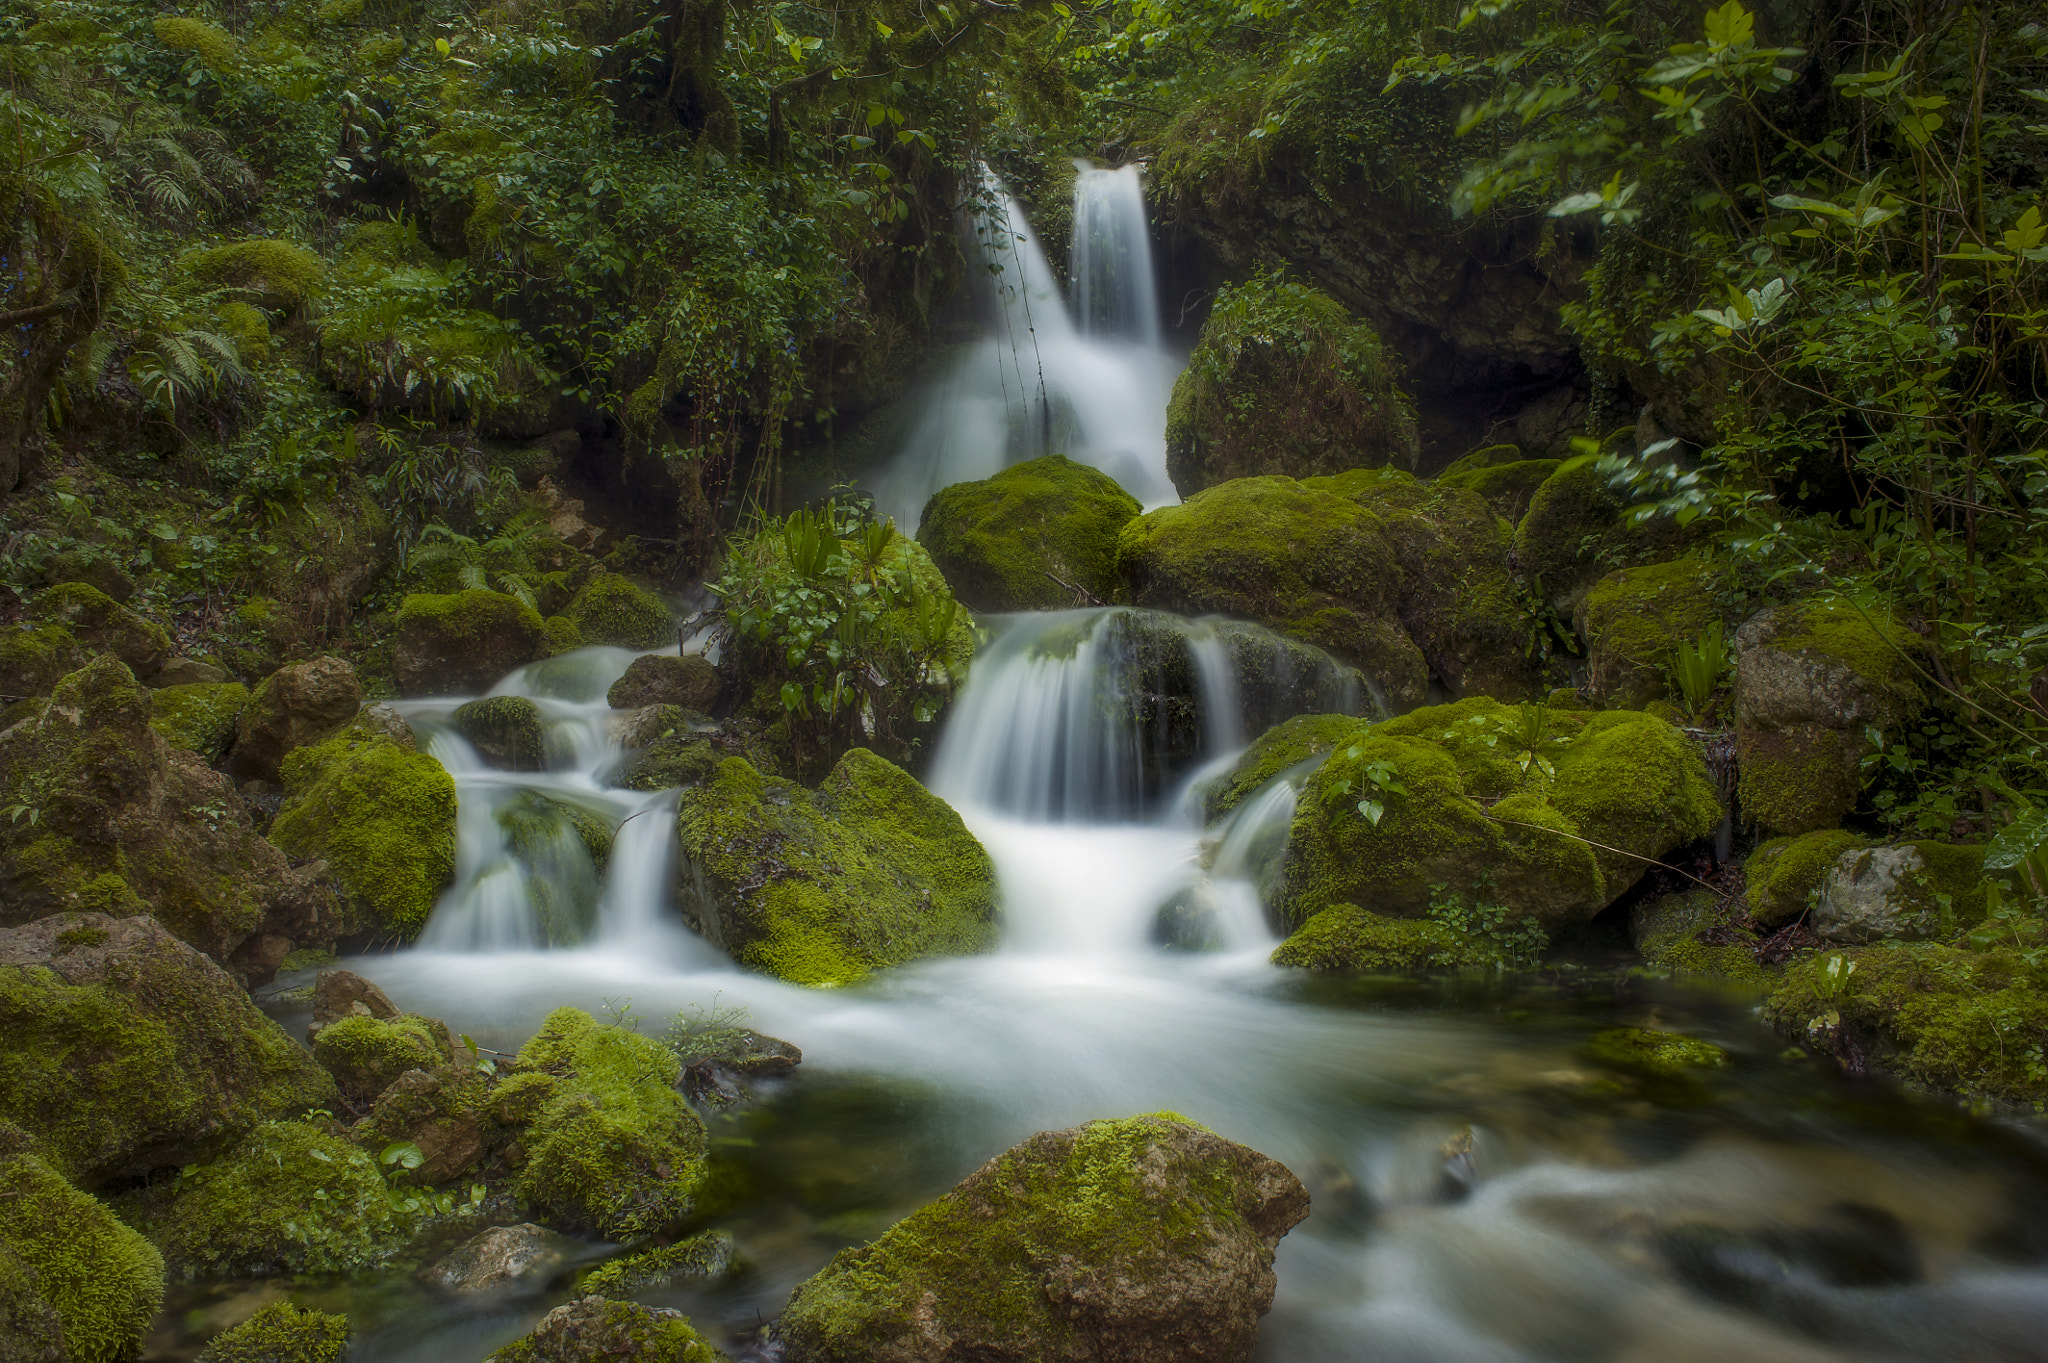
(1110, 259)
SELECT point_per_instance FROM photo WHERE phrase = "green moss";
(1574, 533)
(33, 657)
(1274, 751)
(247, 327)
(1672, 934)
(562, 635)
(212, 46)
(365, 1054)
(614, 1148)
(1001, 542)
(819, 888)
(612, 610)
(1871, 644)
(507, 731)
(1481, 459)
(281, 1333)
(1785, 874)
(1659, 1055)
(200, 717)
(1634, 619)
(276, 271)
(463, 641)
(701, 1259)
(1283, 380)
(382, 817)
(1797, 780)
(610, 1329)
(1634, 782)
(102, 625)
(1963, 1021)
(1345, 937)
(69, 1272)
(290, 1199)
(1507, 488)
(564, 849)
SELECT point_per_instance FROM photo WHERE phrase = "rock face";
(74, 1282)
(1872, 894)
(508, 732)
(1148, 1239)
(657, 679)
(596, 1330)
(1283, 380)
(1037, 536)
(1809, 680)
(503, 1256)
(1634, 620)
(821, 887)
(128, 1051)
(463, 642)
(281, 1333)
(294, 706)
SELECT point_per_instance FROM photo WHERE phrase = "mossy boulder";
(1146, 1239)
(1284, 745)
(1555, 840)
(117, 821)
(597, 1330)
(364, 1054)
(1784, 876)
(463, 642)
(668, 746)
(296, 705)
(1810, 681)
(564, 849)
(613, 1149)
(382, 816)
(281, 1333)
(1279, 677)
(102, 625)
(870, 870)
(1039, 535)
(657, 679)
(446, 1110)
(1501, 475)
(1575, 532)
(1633, 621)
(34, 657)
(128, 1051)
(1283, 380)
(508, 732)
(699, 1260)
(1306, 561)
(291, 1198)
(274, 274)
(614, 610)
(76, 1286)
(1654, 1055)
(1346, 937)
(1915, 890)
(1696, 934)
(1949, 1018)
(200, 718)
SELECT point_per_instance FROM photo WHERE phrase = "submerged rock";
(1346, 937)
(463, 642)
(508, 732)
(1040, 535)
(503, 1256)
(1655, 1055)
(294, 706)
(281, 1333)
(821, 887)
(75, 1284)
(1148, 1239)
(595, 1330)
(700, 1260)
(657, 679)
(128, 1051)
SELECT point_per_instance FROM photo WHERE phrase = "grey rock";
(1868, 897)
(188, 672)
(293, 707)
(385, 721)
(501, 1257)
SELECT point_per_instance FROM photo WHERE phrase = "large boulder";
(657, 679)
(294, 706)
(1634, 619)
(1281, 747)
(1037, 536)
(34, 657)
(1548, 815)
(1917, 890)
(1346, 937)
(127, 1051)
(598, 1330)
(114, 820)
(101, 626)
(1148, 1240)
(75, 1284)
(1501, 475)
(1811, 681)
(381, 816)
(821, 887)
(200, 717)
(462, 643)
(1576, 531)
(365, 1054)
(613, 610)
(1283, 380)
(1306, 561)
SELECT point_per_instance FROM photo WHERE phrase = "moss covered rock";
(33, 657)
(1346, 937)
(657, 679)
(597, 1330)
(364, 1054)
(200, 717)
(700, 1260)
(462, 643)
(128, 1051)
(1284, 745)
(1283, 380)
(1038, 536)
(1501, 475)
(382, 817)
(101, 625)
(1696, 934)
(281, 1333)
(1633, 621)
(1472, 818)
(291, 1198)
(613, 1148)
(1574, 533)
(1655, 1055)
(564, 849)
(821, 887)
(276, 274)
(296, 705)
(1810, 681)
(447, 1111)
(76, 1286)
(1306, 561)
(1147, 1239)
(613, 610)
(1916, 890)
(1785, 875)
(508, 732)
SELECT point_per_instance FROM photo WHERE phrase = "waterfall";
(1034, 383)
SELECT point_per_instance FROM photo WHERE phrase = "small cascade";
(1111, 257)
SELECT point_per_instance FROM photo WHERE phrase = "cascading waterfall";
(1111, 259)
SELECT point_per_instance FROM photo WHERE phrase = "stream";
(1483, 1191)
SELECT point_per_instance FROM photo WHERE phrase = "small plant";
(705, 1029)
(398, 1161)
(1698, 667)
(1377, 780)
(1508, 941)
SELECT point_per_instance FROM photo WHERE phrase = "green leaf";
(1730, 26)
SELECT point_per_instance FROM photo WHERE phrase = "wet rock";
(1278, 677)
(384, 721)
(343, 993)
(1278, 748)
(700, 1260)
(657, 679)
(721, 1064)
(1188, 922)
(281, 1333)
(200, 718)
(1148, 1239)
(1696, 933)
(1654, 1055)
(189, 672)
(1875, 893)
(1346, 937)
(75, 1283)
(565, 513)
(294, 706)
(446, 1112)
(102, 626)
(508, 732)
(501, 1257)
(462, 643)
(594, 1330)
(1040, 535)
(613, 610)
(1848, 1245)
(821, 887)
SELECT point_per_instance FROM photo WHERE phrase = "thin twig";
(1605, 848)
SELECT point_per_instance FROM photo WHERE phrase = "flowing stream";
(1483, 1191)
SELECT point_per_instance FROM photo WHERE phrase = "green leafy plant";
(1698, 668)
(1378, 781)
(1506, 940)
